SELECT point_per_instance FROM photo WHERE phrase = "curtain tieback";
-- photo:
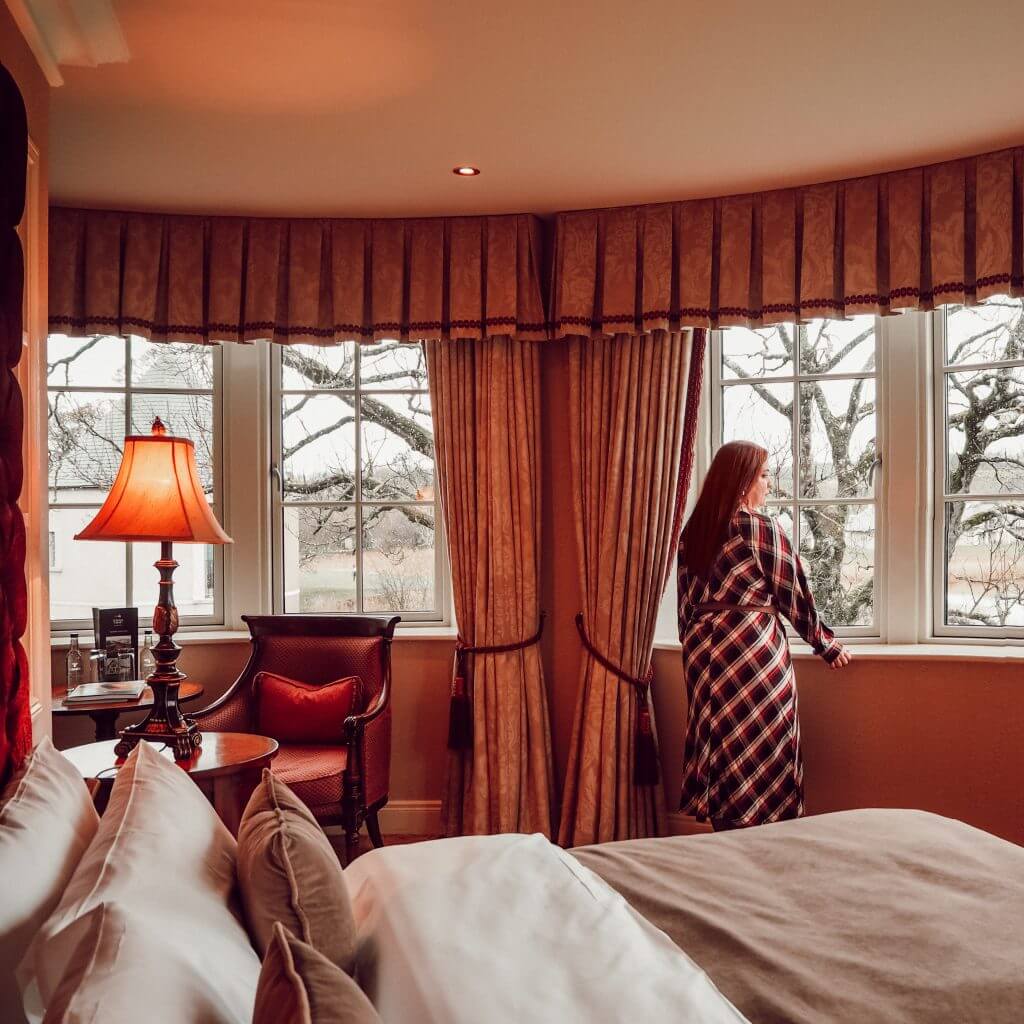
(645, 751)
(460, 712)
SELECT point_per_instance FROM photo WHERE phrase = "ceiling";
(362, 107)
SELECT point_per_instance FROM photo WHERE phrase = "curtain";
(16, 733)
(206, 279)
(946, 233)
(486, 406)
(633, 412)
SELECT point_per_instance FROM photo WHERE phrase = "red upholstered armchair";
(344, 783)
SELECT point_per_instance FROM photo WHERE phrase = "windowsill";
(191, 638)
(874, 651)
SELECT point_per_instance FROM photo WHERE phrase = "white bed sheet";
(495, 929)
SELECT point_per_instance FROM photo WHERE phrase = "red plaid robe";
(743, 759)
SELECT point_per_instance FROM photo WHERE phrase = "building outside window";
(100, 389)
(355, 504)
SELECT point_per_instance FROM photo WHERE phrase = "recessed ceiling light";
(466, 171)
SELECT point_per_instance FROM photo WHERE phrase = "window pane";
(318, 367)
(837, 544)
(763, 413)
(984, 563)
(766, 352)
(837, 438)
(783, 515)
(990, 332)
(85, 573)
(838, 346)
(319, 557)
(85, 434)
(397, 447)
(188, 416)
(193, 585)
(985, 431)
(398, 558)
(390, 365)
(84, 362)
(318, 447)
(166, 365)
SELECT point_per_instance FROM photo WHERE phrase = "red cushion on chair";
(294, 712)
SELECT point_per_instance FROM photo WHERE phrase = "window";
(807, 393)
(100, 389)
(355, 503)
(979, 444)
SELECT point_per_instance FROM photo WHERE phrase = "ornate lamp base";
(165, 723)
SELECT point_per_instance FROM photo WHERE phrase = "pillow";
(46, 822)
(511, 928)
(164, 858)
(121, 970)
(294, 712)
(298, 985)
(289, 872)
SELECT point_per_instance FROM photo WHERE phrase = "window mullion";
(358, 495)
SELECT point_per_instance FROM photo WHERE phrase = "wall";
(18, 59)
(943, 734)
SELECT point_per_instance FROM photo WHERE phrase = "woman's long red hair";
(734, 469)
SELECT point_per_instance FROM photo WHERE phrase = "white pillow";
(165, 864)
(511, 928)
(46, 822)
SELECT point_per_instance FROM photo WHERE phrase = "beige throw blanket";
(866, 917)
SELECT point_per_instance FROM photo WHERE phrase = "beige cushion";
(288, 872)
(46, 822)
(298, 985)
(164, 859)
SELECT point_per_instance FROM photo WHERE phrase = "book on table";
(122, 689)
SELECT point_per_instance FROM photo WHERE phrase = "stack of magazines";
(128, 689)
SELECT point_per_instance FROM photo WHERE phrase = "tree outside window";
(981, 466)
(101, 388)
(807, 393)
(357, 504)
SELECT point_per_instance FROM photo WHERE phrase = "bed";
(858, 916)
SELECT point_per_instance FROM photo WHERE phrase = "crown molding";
(78, 33)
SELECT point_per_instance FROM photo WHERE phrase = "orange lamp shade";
(156, 495)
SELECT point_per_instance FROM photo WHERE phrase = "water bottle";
(74, 664)
(147, 663)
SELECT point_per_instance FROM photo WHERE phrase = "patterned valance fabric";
(949, 232)
(209, 279)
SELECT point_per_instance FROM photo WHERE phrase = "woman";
(737, 574)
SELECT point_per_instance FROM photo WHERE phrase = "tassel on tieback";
(645, 752)
(460, 716)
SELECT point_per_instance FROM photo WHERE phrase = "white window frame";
(439, 616)
(63, 627)
(940, 629)
(795, 503)
(903, 486)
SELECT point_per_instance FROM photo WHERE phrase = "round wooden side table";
(226, 768)
(104, 712)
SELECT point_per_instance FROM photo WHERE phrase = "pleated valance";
(209, 279)
(949, 232)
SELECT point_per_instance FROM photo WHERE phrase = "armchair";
(346, 783)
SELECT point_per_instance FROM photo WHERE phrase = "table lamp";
(157, 496)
